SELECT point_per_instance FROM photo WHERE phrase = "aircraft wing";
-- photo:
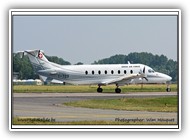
(122, 79)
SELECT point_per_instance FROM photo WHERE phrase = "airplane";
(104, 74)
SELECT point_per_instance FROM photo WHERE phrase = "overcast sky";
(91, 38)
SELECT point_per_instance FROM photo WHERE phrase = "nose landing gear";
(168, 89)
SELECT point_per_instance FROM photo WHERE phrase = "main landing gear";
(99, 89)
(117, 90)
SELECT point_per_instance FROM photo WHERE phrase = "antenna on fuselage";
(128, 62)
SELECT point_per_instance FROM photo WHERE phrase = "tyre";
(117, 90)
(168, 89)
(99, 90)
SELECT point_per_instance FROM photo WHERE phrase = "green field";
(162, 104)
(92, 88)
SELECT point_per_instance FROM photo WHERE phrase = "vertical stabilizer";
(37, 59)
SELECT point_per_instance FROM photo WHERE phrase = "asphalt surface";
(50, 105)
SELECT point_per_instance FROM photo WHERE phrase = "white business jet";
(118, 74)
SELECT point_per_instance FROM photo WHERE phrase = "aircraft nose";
(168, 78)
(165, 77)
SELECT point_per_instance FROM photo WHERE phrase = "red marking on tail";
(40, 55)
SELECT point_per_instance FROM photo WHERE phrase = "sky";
(90, 38)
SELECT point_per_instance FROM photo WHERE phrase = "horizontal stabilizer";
(34, 52)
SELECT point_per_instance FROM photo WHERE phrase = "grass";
(162, 104)
(41, 121)
(92, 88)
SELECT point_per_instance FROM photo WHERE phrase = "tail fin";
(37, 59)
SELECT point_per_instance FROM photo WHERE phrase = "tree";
(116, 59)
(158, 63)
(79, 63)
(24, 67)
(58, 60)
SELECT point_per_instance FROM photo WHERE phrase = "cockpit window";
(151, 71)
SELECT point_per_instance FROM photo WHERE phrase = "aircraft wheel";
(118, 90)
(99, 90)
(168, 89)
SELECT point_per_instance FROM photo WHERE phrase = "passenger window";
(106, 72)
(125, 71)
(99, 72)
(86, 72)
(112, 72)
(118, 71)
(131, 71)
(93, 72)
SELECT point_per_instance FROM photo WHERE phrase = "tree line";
(158, 63)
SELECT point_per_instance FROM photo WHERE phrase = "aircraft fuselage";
(99, 74)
